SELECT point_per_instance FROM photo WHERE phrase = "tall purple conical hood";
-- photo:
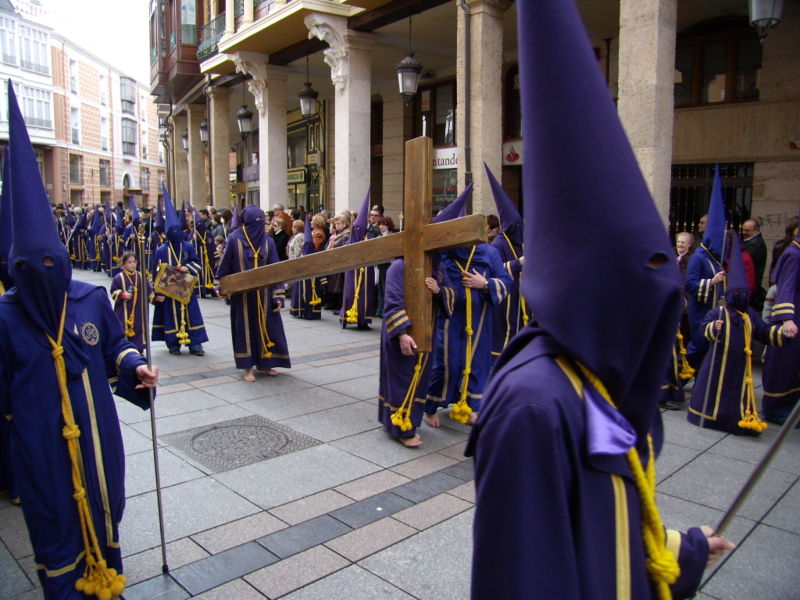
(716, 223)
(359, 230)
(455, 208)
(308, 241)
(5, 222)
(171, 222)
(135, 219)
(97, 222)
(108, 215)
(182, 217)
(158, 223)
(40, 287)
(119, 222)
(612, 304)
(510, 219)
(235, 223)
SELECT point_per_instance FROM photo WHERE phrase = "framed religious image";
(173, 283)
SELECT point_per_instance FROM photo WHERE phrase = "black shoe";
(175, 351)
(670, 405)
(198, 352)
(364, 327)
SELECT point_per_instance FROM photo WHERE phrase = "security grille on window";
(105, 172)
(129, 137)
(75, 169)
(691, 191)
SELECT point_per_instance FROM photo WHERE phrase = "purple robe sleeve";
(692, 553)
(394, 310)
(784, 308)
(498, 279)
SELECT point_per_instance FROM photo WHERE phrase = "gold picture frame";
(173, 283)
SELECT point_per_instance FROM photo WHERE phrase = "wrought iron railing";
(210, 35)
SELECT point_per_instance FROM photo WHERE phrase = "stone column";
(198, 188)
(247, 17)
(268, 87)
(646, 81)
(180, 165)
(485, 89)
(230, 18)
(348, 56)
(219, 144)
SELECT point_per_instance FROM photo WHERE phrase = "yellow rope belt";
(461, 409)
(131, 318)
(98, 579)
(747, 404)
(352, 313)
(522, 303)
(662, 564)
(402, 416)
(686, 372)
(261, 310)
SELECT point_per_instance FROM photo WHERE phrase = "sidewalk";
(288, 487)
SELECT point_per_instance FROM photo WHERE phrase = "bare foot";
(472, 419)
(270, 372)
(248, 376)
(432, 420)
(412, 442)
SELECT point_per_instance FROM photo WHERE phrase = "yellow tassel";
(750, 419)
(352, 313)
(461, 409)
(686, 371)
(402, 416)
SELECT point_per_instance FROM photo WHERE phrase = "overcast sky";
(115, 30)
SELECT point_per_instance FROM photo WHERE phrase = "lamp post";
(309, 105)
(765, 15)
(408, 72)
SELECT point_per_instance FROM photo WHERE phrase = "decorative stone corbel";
(333, 31)
(254, 64)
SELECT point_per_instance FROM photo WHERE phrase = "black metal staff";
(145, 312)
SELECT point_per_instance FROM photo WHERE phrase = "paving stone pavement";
(356, 515)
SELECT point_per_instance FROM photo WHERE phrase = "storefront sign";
(445, 158)
(296, 175)
(512, 153)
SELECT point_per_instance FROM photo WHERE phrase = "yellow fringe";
(686, 372)
(747, 406)
(98, 579)
(402, 416)
(352, 313)
(662, 564)
(461, 409)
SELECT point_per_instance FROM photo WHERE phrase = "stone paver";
(295, 572)
(237, 589)
(311, 506)
(370, 539)
(147, 564)
(372, 484)
(226, 566)
(432, 511)
(238, 532)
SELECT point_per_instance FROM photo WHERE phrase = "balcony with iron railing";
(210, 36)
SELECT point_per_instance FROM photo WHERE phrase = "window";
(160, 179)
(103, 83)
(691, 190)
(103, 133)
(36, 106)
(105, 172)
(512, 115)
(129, 137)
(145, 178)
(73, 76)
(105, 198)
(75, 169)
(8, 41)
(188, 23)
(435, 113)
(40, 162)
(34, 50)
(144, 145)
(75, 125)
(128, 95)
(717, 61)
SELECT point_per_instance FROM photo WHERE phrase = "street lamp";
(765, 15)
(244, 117)
(309, 105)
(204, 131)
(408, 72)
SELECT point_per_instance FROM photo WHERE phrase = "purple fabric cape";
(135, 307)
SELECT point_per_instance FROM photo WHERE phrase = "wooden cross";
(419, 238)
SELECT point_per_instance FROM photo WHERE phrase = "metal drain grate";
(239, 442)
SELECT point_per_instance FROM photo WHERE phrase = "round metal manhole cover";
(239, 442)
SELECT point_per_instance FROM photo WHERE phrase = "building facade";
(94, 130)
(693, 84)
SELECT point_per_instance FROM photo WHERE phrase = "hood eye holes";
(21, 263)
(48, 261)
(658, 260)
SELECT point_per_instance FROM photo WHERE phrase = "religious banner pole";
(788, 426)
(148, 355)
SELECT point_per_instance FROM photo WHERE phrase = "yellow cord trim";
(662, 564)
(131, 318)
(98, 579)
(522, 303)
(352, 313)
(461, 409)
(402, 416)
(686, 371)
(747, 405)
(261, 310)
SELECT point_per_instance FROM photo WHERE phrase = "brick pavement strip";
(371, 538)
(238, 589)
(297, 571)
(147, 564)
(226, 566)
(371, 484)
(424, 465)
(432, 511)
(310, 506)
(238, 532)
(465, 491)
(301, 537)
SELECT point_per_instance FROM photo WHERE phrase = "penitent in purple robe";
(510, 315)
(257, 330)
(130, 311)
(537, 471)
(398, 382)
(781, 375)
(358, 298)
(721, 403)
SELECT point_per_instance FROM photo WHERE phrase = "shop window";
(717, 61)
(435, 113)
